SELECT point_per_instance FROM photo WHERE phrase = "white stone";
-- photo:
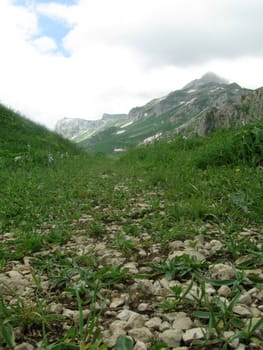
(182, 323)
(135, 321)
(153, 323)
(24, 346)
(117, 325)
(116, 302)
(171, 316)
(191, 252)
(221, 272)
(171, 337)
(131, 266)
(215, 245)
(234, 343)
(140, 346)
(164, 326)
(125, 314)
(143, 307)
(241, 310)
(193, 333)
(245, 299)
(224, 291)
(141, 334)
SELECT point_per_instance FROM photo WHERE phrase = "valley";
(158, 247)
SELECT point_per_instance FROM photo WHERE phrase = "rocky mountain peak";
(208, 77)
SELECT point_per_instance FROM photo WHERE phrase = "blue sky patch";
(54, 28)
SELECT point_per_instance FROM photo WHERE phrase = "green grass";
(169, 190)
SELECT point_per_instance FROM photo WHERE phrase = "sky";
(82, 58)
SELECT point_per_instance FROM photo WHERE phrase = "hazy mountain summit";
(208, 77)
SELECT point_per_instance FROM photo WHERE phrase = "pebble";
(193, 333)
(234, 343)
(142, 334)
(154, 323)
(241, 310)
(182, 323)
(224, 291)
(140, 346)
(171, 337)
(143, 307)
(135, 321)
(116, 302)
(24, 346)
(221, 272)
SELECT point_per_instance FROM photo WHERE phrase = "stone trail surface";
(149, 299)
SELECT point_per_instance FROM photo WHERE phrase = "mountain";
(76, 129)
(198, 108)
(201, 106)
(24, 141)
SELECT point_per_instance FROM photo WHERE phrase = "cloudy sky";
(81, 58)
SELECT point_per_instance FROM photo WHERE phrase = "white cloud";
(123, 53)
(44, 44)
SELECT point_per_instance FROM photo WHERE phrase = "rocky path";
(184, 294)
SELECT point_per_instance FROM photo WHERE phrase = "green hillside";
(102, 253)
(31, 143)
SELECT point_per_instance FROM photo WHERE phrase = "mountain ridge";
(198, 108)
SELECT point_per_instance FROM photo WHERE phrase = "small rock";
(141, 334)
(182, 323)
(24, 346)
(234, 343)
(131, 266)
(256, 312)
(221, 272)
(224, 291)
(241, 310)
(171, 337)
(143, 307)
(145, 269)
(192, 253)
(55, 308)
(125, 314)
(171, 316)
(245, 299)
(164, 326)
(176, 245)
(117, 325)
(116, 302)
(193, 333)
(111, 341)
(153, 323)
(140, 346)
(241, 347)
(215, 245)
(135, 321)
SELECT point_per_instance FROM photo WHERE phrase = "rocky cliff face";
(248, 108)
(72, 128)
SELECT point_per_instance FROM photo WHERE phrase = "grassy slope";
(185, 183)
(19, 137)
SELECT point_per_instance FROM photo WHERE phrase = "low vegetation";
(77, 230)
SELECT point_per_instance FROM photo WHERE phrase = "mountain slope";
(20, 138)
(183, 110)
